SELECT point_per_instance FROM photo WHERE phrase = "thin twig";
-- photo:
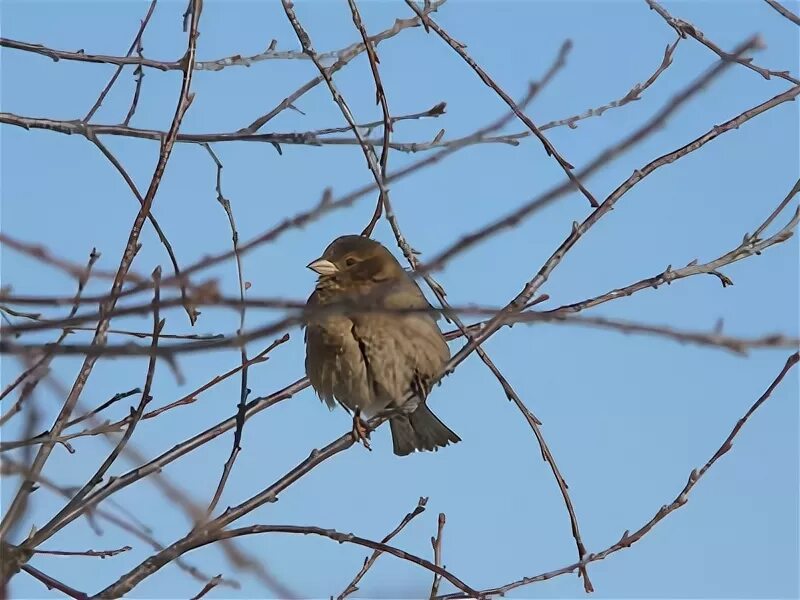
(12, 558)
(37, 370)
(135, 415)
(138, 530)
(96, 553)
(778, 210)
(308, 48)
(51, 583)
(684, 28)
(243, 389)
(32, 375)
(75, 270)
(45, 436)
(784, 11)
(163, 336)
(212, 583)
(138, 75)
(380, 98)
(126, 583)
(437, 110)
(484, 76)
(190, 310)
(713, 339)
(352, 587)
(137, 41)
(218, 64)
(344, 57)
(436, 542)
(749, 246)
(189, 398)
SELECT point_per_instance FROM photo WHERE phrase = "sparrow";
(375, 362)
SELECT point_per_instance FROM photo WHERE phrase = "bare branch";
(51, 583)
(152, 218)
(138, 530)
(628, 538)
(436, 542)
(28, 318)
(606, 156)
(208, 65)
(41, 364)
(784, 11)
(44, 255)
(750, 246)
(305, 41)
(212, 583)
(459, 49)
(137, 42)
(684, 28)
(352, 587)
(243, 390)
(96, 553)
(380, 98)
(135, 415)
(124, 584)
(131, 248)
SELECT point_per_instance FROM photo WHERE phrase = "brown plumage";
(370, 362)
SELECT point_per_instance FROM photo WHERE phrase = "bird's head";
(355, 261)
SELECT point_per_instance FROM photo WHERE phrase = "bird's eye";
(350, 261)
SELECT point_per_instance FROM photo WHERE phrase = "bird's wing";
(335, 363)
(322, 350)
(320, 364)
(400, 352)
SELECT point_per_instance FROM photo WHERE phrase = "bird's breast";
(337, 366)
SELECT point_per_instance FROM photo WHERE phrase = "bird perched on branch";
(373, 361)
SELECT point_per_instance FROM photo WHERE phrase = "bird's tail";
(420, 430)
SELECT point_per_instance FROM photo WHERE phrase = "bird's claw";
(360, 431)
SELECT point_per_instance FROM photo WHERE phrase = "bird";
(375, 363)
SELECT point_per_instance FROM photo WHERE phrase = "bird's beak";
(323, 267)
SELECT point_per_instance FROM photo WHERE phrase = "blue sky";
(626, 417)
